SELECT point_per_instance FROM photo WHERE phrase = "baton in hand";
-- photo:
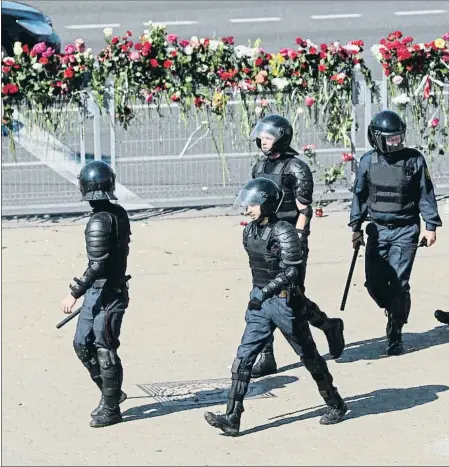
(68, 318)
(348, 281)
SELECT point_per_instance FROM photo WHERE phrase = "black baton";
(68, 318)
(348, 281)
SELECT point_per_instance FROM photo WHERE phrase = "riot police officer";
(276, 300)
(442, 316)
(105, 289)
(392, 186)
(273, 135)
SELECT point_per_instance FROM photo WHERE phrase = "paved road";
(376, 19)
(278, 24)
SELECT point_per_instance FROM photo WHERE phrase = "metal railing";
(160, 160)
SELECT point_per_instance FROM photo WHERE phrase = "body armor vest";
(390, 187)
(263, 263)
(288, 210)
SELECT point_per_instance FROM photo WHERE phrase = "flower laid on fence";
(309, 81)
(37, 81)
(331, 174)
(417, 76)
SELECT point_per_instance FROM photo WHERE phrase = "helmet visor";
(245, 198)
(266, 131)
(395, 140)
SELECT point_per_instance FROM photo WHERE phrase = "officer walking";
(394, 187)
(442, 316)
(276, 300)
(105, 290)
(273, 135)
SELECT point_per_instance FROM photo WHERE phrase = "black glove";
(357, 239)
(254, 304)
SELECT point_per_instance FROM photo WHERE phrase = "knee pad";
(240, 370)
(84, 353)
(107, 358)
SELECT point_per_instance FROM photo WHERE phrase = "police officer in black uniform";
(273, 135)
(105, 289)
(276, 300)
(442, 316)
(394, 187)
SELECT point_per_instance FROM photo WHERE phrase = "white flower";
(188, 50)
(352, 47)
(258, 110)
(300, 110)
(17, 48)
(311, 44)
(397, 79)
(280, 83)
(194, 41)
(202, 40)
(37, 66)
(401, 99)
(357, 67)
(108, 32)
(214, 45)
(204, 68)
(375, 50)
(337, 44)
(244, 85)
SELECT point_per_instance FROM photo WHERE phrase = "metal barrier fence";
(160, 161)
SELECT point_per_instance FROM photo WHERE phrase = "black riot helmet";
(279, 129)
(263, 192)
(97, 181)
(386, 132)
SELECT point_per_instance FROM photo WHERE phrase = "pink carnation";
(39, 48)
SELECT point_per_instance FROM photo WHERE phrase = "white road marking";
(419, 12)
(347, 15)
(93, 26)
(172, 23)
(254, 20)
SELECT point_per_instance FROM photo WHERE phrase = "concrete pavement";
(189, 288)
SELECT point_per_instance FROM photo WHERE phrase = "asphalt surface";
(276, 23)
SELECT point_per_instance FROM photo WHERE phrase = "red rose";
(246, 70)
(69, 73)
(168, 63)
(138, 46)
(174, 53)
(259, 61)
(313, 50)
(43, 60)
(114, 40)
(174, 98)
(322, 68)
(26, 49)
(323, 47)
(129, 33)
(323, 55)
(154, 63)
(6, 69)
(292, 54)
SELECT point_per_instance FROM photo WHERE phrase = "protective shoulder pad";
(289, 243)
(304, 180)
(98, 234)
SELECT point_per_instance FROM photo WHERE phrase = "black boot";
(442, 316)
(266, 365)
(336, 407)
(332, 328)
(394, 336)
(100, 407)
(317, 367)
(112, 375)
(229, 422)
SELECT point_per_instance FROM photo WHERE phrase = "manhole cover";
(210, 391)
